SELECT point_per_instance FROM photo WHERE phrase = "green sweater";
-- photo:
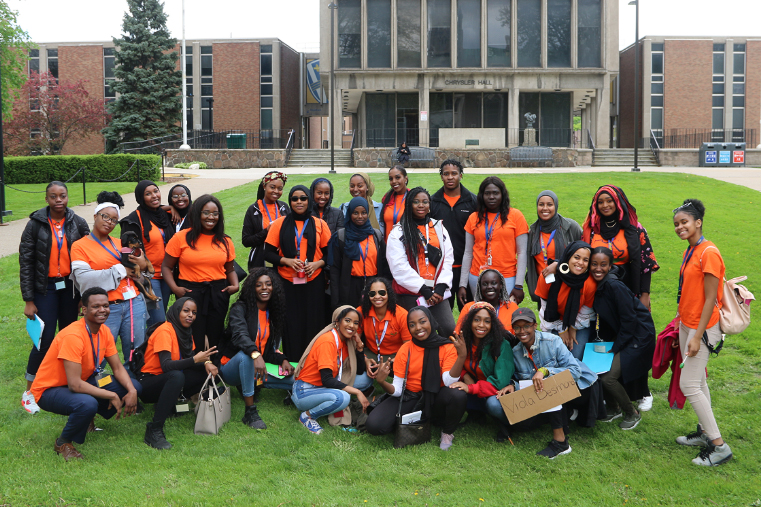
(499, 373)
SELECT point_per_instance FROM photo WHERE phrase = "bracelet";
(519, 287)
(545, 372)
(208, 362)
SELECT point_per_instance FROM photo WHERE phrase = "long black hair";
(196, 228)
(390, 194)
(367, 304)
(410, 232)
(276, 305)
(504, 208)
(492, 342)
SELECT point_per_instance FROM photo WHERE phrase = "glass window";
(265, 48)
(407, 119)
(656, 46)
(558, 33)
(656, 100)
(718, 63)
(408, 33)
(656, 119)
(267, 101)
(378, 33)
(108, 67)
(739, 48)
(738, 118)
(188, 50)
(555, 120)
(718, 47)
(108, 51)
(656, 88)
(349, 33)
(266, 79)
(266, 118)
(380, 122)
(53, 67)
(717, 101)
(266, 66)
(589, 33)
(207, 90)
(718, 88)
(35, 53)
(718, 79)
(34, 65)
(717, 119)
(738, 79)
(657, 78)
(467, 110)
(189, 90)
(206, 80)
(205, 50)
(738, 101)
(52, 53)
(206, 65)
(468, 33)
(207, 102)
(266, 89)
(439, 33)
(529, 33)
(188, 65)
(498, 15)
(738, 89)
(441, 115)
(109, 91)
(495, 110)
(739, 67)
(657, 63)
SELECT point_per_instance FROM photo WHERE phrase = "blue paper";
(34, 328)
(598, 362)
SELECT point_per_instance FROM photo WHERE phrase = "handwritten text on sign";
(521, 405)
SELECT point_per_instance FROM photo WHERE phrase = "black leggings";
(448, 408)
(165, 389)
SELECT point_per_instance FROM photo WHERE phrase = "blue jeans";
(582, 338)
(473, 283)
(131, 330)
(239, 371)
(490, 405)
(158, 314)
(81, 408)
(319, 401)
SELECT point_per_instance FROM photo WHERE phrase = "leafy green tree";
(147, 82)
(14, 48)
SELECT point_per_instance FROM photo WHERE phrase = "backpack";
(138, 355)
(735, 310)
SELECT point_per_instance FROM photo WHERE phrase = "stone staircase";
(319, 158)
(623, 157)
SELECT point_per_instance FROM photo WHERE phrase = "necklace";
(611, 224)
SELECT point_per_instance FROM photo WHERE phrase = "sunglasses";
(372, 293)
(177, 196)
(683, 206)
(297, 198)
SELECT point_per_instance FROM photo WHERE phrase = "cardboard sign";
(521, 405)
(739, 157)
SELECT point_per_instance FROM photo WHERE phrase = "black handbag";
(242, 273)
(409, 434)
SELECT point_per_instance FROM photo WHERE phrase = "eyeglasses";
(212, 214)
(179, 196)
(685, 205)
(297, 198)
(372, 293)
(416, 203)
(520, 329)
(108, 219)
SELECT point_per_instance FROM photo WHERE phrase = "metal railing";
(590, 141)
(655, 147)
(430, 138)
(276, 139)
(694, 138)
(353, 142)
(289, 146)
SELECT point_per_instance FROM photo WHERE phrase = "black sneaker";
(251, 418)
(555, 449)
(288, 401)
(503, 435)
(154, 436)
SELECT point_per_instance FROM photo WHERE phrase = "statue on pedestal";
(529, 135)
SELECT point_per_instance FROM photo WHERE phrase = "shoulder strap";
(404, 383)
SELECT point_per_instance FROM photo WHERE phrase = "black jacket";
(626, 322)
(340, 272)
(241, 335)
(454, 218)
(36, 244)
(254, 234)
(333, 217)
(571, 232)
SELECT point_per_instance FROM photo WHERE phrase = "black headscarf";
(180, 211)
(574, 282)
(184, 334)
(355, 234)
(430, 378)
(148, 216)
(288, 229)
(547, 226)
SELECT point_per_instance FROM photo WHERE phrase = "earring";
(564, 268)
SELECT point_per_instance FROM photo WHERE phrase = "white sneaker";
(27, 401)
(646, 403)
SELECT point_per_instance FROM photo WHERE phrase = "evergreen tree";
(147, 80)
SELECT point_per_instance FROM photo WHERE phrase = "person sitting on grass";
(71, 380)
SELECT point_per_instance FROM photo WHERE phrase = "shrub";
(98, 168)
(186, 165)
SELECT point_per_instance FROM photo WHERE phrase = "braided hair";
(503, 295)
(410, 232)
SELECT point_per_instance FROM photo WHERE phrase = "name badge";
(103, 379)
(129, 293)
(299, 280)
(182, 407)
(60, 285)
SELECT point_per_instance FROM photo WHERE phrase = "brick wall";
(290, 97)
(83, 63)
(753, 86)
(687, 84)
(236, 85)
(626, 97)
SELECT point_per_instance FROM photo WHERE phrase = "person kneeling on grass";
(330, 371)
(171, 370)
(537, 356)
(72, 382)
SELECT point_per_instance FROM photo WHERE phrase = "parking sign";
(710, 157)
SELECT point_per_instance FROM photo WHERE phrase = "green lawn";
(285, 465)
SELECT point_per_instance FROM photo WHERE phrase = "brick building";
(693, 90)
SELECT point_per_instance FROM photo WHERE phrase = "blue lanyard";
(95, 355)
(364, 256)
(489, 231)
(685, 260)
(259, 335)
(383, 336)
(396, 213)
(300, 235)
(549, 242)
(277, 215)
(114, 255)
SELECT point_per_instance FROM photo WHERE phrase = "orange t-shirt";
(99, 258)
(155, 248)
(502, 244)
(452, 200)
(504, 314)
(540, 262)
(704, 261)
(268, 210)
(368, 267)
(447, 358)
(427, 271)
(618, 245)
(393, 212)
(262, 335)
(471, 365)
(397, 331)
(164, 338)
(587, 294)
(59, 265)
(206, 262)
(324, 354)
(323, 236)
(72, 343)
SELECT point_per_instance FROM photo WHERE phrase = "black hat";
(523, 314)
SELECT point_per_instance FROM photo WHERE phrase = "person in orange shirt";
(44, 269)
(171, 371)
(424, 369)
(495, 237)
(154, 227)
(71, 380)
(491, 289)
(331, 369)
(699, 299)
(567, 303)
(394, 200)
(296, 244)
(261, 214)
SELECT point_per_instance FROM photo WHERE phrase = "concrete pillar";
(513, 116)
(601, 118)
(424, 105)
(276, 73)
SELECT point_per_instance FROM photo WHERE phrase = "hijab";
(547, 226)
(184, 334)
(292, 221)
(150, 216)
(354, 233)
(574, 282)
(370, 191)
(180, 211)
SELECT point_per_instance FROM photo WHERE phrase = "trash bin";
(738, 155)
(725, 154)
(236, 141)
(709, 155)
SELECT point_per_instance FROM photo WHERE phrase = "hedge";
(45, 169)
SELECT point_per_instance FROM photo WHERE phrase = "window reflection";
(498, 15)
(379, 33)
(529, 33)
(439, 33)
(558, 33)
(408, 33)
(468, 33)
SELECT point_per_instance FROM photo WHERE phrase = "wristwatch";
(256, 354)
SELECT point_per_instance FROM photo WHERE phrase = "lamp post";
(3, 211)
(636, 84)
(332, 6)
(183, 88)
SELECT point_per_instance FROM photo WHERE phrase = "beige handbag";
(213, 408)
(735, 306)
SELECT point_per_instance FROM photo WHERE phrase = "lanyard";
(531, 356)
(114, 255)
(489, 231)
(58, 240)
(685, 260)
(95, 355)
(178, 228)
(340, 354)
(549, 242)
(364, 256)
(300, 235)
(259, 334)
(266, 209)
(383, 336)
(396, 213)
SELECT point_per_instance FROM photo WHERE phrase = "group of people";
(341, 300)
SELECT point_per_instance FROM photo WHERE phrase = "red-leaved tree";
(49, 113)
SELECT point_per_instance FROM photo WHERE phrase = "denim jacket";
(550, 352)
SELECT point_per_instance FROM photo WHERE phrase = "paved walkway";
(214, 180)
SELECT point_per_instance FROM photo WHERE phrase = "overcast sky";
(296, 22)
